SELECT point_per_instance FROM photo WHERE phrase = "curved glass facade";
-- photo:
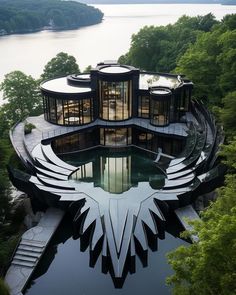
(160, 107)
(184, 100)
(143, 106)
(114, 93)
(115, 136)
(115, 100)
(160, 112)
(68, 111)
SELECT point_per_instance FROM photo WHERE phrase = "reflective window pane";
(68, 111)
(115, 100)
(160, 112)
(143, 106)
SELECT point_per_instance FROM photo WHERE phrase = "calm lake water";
(90, 45)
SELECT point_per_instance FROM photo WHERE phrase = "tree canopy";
(159, 48)
(22, 95)
(211, 62)
(32, 15)
(61, 65)
(199, 47)
(209, 266)
(227, 113)
(4, 290)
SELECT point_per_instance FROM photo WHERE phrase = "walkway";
(17, 138)
(30, 250)
(46, 130)
(186, 214)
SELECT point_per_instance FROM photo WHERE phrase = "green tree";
(211, 62)
(209, 266)
(5, 192)
(227, 113)
(159, 48)
(88, 69)
(22, 96)
(30, 15)
(227, 61)
(4, 290)
(199, 63)
(61, 65)
(5, 123)
(229, 21)
(228, 152)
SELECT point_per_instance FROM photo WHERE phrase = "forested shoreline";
(25, 16)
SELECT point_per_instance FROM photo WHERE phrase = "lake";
(107, 40)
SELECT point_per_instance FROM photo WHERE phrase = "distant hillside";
(231, 2)
(22, 16)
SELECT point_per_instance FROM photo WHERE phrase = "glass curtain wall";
(118, 138)
(152, 142)
(115, 100)
(184, 100)
(160, 112)
(76, 142)
(68, 112)
(115, 136)
(143, 106)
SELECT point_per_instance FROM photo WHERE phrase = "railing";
(172, 129)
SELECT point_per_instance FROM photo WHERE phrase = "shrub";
(28, 128)
(4, 290)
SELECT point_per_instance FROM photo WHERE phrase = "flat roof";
(114, 69)
(152, 80)
(60, 85)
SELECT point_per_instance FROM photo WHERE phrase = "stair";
(28, 253)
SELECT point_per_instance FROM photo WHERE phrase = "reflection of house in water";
(119, 205)
(117, 172)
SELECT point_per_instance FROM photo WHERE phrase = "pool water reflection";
(115, 174)
(118, 183)
(64, 269)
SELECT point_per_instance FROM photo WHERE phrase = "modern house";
(121, 150)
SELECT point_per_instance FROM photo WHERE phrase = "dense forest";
(200, 47)
(22, 16)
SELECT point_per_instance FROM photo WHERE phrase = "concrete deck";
(187, 213)
(30, 250)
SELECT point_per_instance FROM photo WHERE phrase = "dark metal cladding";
(119, 229)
